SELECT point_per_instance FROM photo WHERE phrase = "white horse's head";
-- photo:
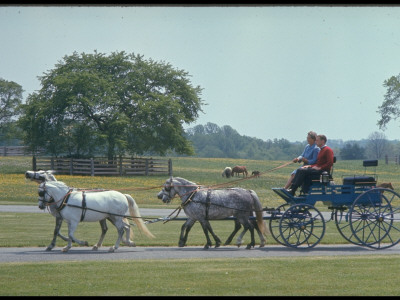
(40, 176)
(51, 191)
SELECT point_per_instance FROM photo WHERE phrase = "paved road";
(35, 254)
(140, 253)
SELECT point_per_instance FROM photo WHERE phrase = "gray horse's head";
(40, 176)
(168, 192)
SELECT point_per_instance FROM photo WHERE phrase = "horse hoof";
(217, 245)
(65, 249)
(262, 245)
(181, 244)
(111, 250)
(49, 248)
(132, 245)
(206, 247)
(95, 248)
(249, 247)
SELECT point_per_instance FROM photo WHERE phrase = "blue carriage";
(364, 214)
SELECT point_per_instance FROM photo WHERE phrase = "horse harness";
(64, 202)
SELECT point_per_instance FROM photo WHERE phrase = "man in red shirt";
(324, 163)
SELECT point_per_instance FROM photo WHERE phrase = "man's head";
(321, 140)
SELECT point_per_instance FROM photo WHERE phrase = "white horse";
(39, 177)
(227, 172)
(86, 206)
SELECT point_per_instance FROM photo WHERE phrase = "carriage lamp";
(324, 178)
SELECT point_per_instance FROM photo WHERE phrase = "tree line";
(210, 140)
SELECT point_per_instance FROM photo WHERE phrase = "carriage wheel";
(302, 226)
(373, 218)
(343, 226)
(274, 223)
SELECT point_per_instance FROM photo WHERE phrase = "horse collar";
(64, 201)
(190, 197)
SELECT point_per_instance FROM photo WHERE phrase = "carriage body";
(364, 214)
(331, 195)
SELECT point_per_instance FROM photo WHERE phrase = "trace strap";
(208, 202)
(84, 208)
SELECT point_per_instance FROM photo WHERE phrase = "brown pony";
(239, 169)
(387, 185)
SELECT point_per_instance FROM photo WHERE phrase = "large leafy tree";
(10, 100)
(117, 104)
(390, 108)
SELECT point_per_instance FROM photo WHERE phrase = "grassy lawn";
(306, 276)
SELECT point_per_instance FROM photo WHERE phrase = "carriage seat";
(359, 180)
(315, 179)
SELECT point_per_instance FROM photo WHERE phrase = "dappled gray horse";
(203, 204)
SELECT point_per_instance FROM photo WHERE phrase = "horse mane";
(57, 183)
(187, 182)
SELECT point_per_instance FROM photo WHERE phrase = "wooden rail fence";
(14, 151)
(103, 166)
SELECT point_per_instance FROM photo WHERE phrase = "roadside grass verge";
(289, 276)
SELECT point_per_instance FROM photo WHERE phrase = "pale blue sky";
(268, 72)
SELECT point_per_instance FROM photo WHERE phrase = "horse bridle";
(42, 194)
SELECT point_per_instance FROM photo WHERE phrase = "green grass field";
(323, 276)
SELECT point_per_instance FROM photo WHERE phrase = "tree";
(118, 103)
(390, 108)
(10, 100)
(352, 151)
(377, 144)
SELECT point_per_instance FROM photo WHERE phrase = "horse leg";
(104, 228)
(262, 238)
(72, 225)
(253, 242)
(56, 233)
(120, 228)
(240, 238)
(185, 232)
(235, 230)
(207, 228)
(248, 225)
(127, 228)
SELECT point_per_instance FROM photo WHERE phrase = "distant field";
(207, 171)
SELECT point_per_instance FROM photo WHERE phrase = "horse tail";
(137, 218)
(259, 215)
